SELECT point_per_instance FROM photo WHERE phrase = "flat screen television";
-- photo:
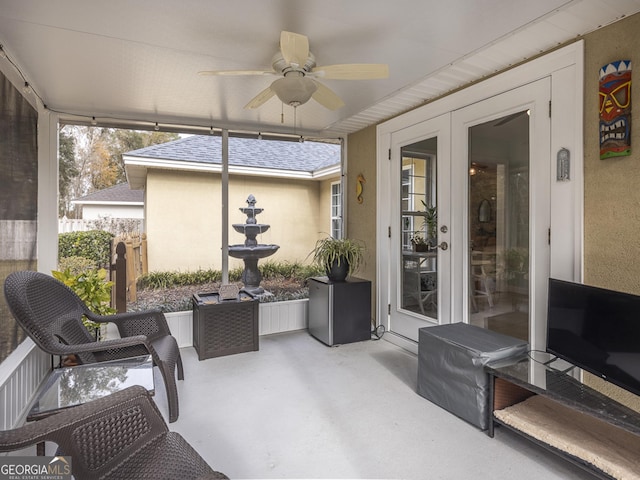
(597, 330)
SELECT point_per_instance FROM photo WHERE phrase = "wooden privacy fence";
(128, 263)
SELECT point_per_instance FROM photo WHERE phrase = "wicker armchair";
(51, 314)
(121, 436)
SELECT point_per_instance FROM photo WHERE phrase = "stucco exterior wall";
(293, 208)
(611, 190)
(612, 187)
(182, 221)
(184, 215)
(361, 217)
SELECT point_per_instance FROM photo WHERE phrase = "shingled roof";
(118, 194)
(250, 152)
(247, 156)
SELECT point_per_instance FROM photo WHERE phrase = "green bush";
(94, 244)
(76, 265)
(294, 270)
(92, 288)
(235, 274)
(157, 280)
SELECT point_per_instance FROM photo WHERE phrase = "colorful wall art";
(615, 109)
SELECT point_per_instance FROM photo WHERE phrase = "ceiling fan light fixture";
(296, 64)
(294, 90)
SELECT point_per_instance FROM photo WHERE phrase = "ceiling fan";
(297, 67)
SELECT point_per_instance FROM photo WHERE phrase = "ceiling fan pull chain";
(295, 120)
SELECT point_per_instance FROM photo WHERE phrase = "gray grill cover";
(451, 361)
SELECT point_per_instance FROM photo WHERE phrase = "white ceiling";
(138, 59)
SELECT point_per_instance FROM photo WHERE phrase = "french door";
(474, 186)
(502, 166)
(420, 257)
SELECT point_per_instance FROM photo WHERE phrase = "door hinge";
(389, 308)
(549, 108)
(389, 231)
(389, 154)
(549, 236)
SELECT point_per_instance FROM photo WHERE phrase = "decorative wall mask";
(615, 109)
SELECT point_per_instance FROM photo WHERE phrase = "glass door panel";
(419, 228)
(498, 215)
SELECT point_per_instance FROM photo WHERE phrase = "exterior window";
(336, 210)
(407, 205)
(418, 191)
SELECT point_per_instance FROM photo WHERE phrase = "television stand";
(558, 412)
(549, 363)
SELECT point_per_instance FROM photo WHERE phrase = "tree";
(107, 147)
(67, 170)
(93, 159)
(122, 141)
(86, 139)
(104, 172)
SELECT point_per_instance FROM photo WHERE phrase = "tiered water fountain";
(251, 251)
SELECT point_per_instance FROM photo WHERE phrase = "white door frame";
(565, 67)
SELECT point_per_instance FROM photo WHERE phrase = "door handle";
(442, 246)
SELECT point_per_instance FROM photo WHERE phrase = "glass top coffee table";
(70, 386)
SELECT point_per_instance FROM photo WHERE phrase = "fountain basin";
(258, 251)
(250, 229)
(251, 211)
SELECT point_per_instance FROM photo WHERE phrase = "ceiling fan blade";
(261, 98)
(236, 72)
(294, 47)
(353, 71)
(327, 97)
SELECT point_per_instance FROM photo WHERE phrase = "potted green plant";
(339, 257)
(431, 222)
(419, 243)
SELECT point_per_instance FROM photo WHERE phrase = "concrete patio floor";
(298, 409)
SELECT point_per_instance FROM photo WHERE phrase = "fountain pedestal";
(251, 251)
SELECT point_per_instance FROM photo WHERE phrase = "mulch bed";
(177, 298)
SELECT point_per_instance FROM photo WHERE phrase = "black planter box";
(340, 312)
(224, 327)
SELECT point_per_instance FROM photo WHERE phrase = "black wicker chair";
(121, 436)
(51, 314)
